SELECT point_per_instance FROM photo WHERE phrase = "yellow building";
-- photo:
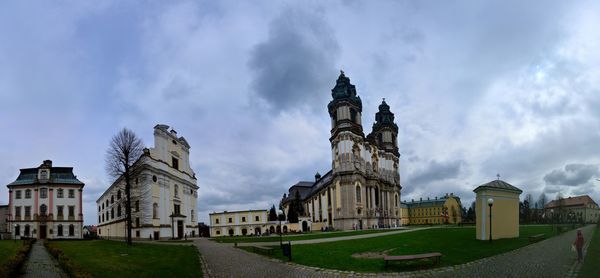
(504, 200)
(446, 209)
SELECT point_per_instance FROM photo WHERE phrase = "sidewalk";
(41, 264)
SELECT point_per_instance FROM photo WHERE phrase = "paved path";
(331, 239)
(41, 264)
(548, 258)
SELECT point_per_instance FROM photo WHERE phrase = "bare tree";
(121, 157)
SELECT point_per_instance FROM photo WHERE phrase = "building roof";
(58, 175)
(307, 189)
(498, 184)
(571, 202)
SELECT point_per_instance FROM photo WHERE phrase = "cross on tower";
(498, 175)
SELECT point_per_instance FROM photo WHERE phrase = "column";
(51, 208)
(80, 204)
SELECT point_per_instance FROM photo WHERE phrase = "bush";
(13, 265)
(71, 267)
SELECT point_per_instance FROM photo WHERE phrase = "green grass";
(8, 248)
(103, 258)
(313, 235)
(458, 245)
(590, 263)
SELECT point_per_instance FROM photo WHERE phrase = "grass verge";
(12, 256)
(458, 246)
(314, 235)
(103, 258)
(590, 263)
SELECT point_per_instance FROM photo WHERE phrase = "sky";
(478, 88)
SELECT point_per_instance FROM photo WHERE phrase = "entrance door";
(304, 226)
(42, 231)
(180, 228)
(360, 224)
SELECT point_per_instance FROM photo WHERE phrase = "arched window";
(353, 115)
(119, 211)
(18, 230)
(71, 230)
(43, 209)
(119, 194)
(176, 189)
(112, 199)
(358, 197)
(137, 205)
(60, 230)
(26, 232)
(397, 203)
(155, 211)
(112, 213)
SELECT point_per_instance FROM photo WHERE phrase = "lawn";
(103, 258)
(590, 264)
(313, 235)
(458, 245)
(8, 248)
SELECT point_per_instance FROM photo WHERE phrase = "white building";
(164, 194)
(45, 202)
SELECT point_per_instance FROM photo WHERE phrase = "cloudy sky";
(478, 88)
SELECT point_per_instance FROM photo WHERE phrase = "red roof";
(577, 201)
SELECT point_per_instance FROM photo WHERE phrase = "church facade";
(164, 194)
(362, 190)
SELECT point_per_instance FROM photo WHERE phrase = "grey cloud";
(436, 171)
(296, 63)
(572, 175)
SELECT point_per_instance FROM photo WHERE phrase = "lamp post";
(16, 233)
(279, 216)
(490, 202)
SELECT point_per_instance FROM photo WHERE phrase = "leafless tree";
(121, 157)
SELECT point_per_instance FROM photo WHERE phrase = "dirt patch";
(371, 255)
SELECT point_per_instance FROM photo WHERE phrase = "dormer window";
(175, 163)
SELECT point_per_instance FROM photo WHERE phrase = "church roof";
(498, 184)
(58, 175)
(307, 189)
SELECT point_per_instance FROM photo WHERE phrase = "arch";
(358, 193)
(71, 230)
(285, 229)
(231, 232)
(119, 210)
(278, 229)
(119, 194)
(112, 199)
(271, 229)
(244, 231)
(26, 231)
(257, 231)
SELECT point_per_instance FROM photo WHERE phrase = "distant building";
(203, 230)
(45, 202)
(404, 215)
(164, 194)
(90, 231)
(573, 209)
(504, 210)
(362, 190)
(442, 210)
(4, 232)
(244, 223)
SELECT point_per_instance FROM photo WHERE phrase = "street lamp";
(490, 202)
(279, 216)
(16, 233)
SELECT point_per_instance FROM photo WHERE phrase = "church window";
(257, 218)
(358, 197)
(119, 211)
(112, 213)
(217, 221)
(119, 194)
(380, 138)
(43, 209)
(60, 193)
(60, 230)
(27, 194)
(112, 199)
(44, 193)
(353, 115)
(230, 220)
(154, 179)
(71, 230)
(176, 190)
(243, 219)
(137, 205)
(155, 211)
(17, 230)
(175, 163)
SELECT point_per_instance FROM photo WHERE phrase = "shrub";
(13, 265)
(71, 267)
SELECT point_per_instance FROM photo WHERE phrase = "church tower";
(385, 131)
(345, 109)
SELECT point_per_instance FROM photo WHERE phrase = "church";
(362, 190)
(164, 193)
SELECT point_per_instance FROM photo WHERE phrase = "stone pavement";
(41, 264)
(331, 239)
(547, 258)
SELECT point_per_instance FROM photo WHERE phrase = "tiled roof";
(430, 202)
(58, 175)
(307, 188)
(498, 184)
(571, 201)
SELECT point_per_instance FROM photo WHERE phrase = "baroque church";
(362, 190)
